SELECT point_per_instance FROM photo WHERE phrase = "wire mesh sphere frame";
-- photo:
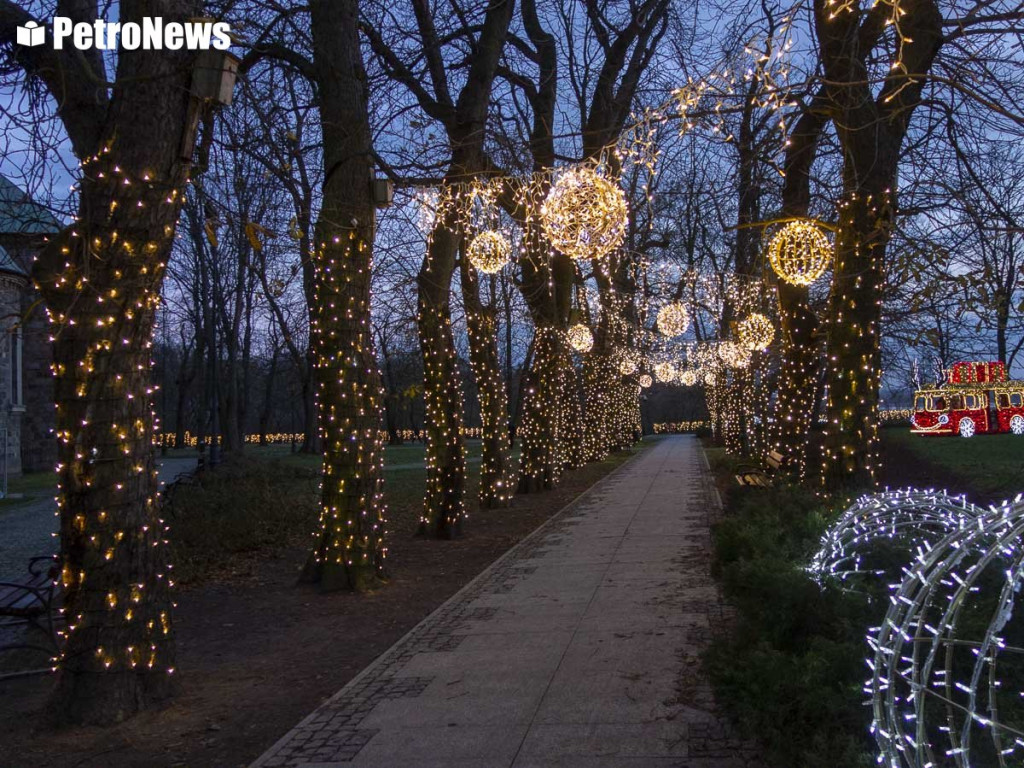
(646, 381)
(800, 252)
(948, 660)
(585, 215)
(489, 252)
(580, 338)
(673, 319)
(756, 332)
(688, 377)
(909, 519)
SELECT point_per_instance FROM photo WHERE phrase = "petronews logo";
(151, 34)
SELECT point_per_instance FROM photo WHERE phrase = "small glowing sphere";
(709, 379)
(489, 252)
(733, 355)
(665, 372)
(756, 332)
(688, 377)
(673, 319)
(580, 338)
(628, 364)
(646, 381)
(800, 252)
(585, 215)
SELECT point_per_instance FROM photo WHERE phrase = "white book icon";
(31, 34)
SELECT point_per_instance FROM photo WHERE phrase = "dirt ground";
(257, 654)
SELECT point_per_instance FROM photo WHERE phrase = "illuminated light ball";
(800, 252)
(665, 372)
(688, 377)
(585, 215)
(756, 332)
(580, 338)
(673, 319)
(628, 364)
(489, 252)
(646, 381)
(733, 355)
(709, 379)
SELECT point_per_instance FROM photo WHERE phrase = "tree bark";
(496, 471)
(350, 550)
(101, 282)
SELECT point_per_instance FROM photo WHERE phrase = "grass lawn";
(990, 467)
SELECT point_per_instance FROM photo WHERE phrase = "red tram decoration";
(976, 399)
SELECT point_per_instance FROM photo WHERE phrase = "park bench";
(32, 601)
(759, 477)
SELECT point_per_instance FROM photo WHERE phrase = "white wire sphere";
(907, 519)
(688, 377)
(947, 661)
(665, 372)
(800, 252)
(489, 252)
(580, 338)
(756, 332)
(673, 319)
(585, 215)
(646, 381)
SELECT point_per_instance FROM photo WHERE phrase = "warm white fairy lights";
(489, 252)
(585, 215)
(688, 377)
(733, 355)
(673, 319)
(580, 338)
(800, 252)
(947, 663)
(756, 332)
(646, 381)
(665, 372)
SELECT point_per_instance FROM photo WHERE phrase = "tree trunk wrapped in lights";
(854, 355)
(870, 129)
(541, 420)
(118, 652)
(350, 550)
(444, 506)
(497, 482)
(800, 356)
(100, 279)
(570, 415)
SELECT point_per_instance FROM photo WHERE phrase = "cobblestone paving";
(29, 529)
(580, 648)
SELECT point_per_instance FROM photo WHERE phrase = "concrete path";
(29, 529)
(579, 648)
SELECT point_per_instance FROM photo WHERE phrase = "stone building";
(26, 384)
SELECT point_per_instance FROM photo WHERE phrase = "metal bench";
(758, 477)
(33, 602)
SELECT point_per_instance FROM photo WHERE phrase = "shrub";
(245, 507)
(792, 671)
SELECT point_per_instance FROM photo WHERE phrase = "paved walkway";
(29, 529)
(579, 648)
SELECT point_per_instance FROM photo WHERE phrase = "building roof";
(21, 215)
